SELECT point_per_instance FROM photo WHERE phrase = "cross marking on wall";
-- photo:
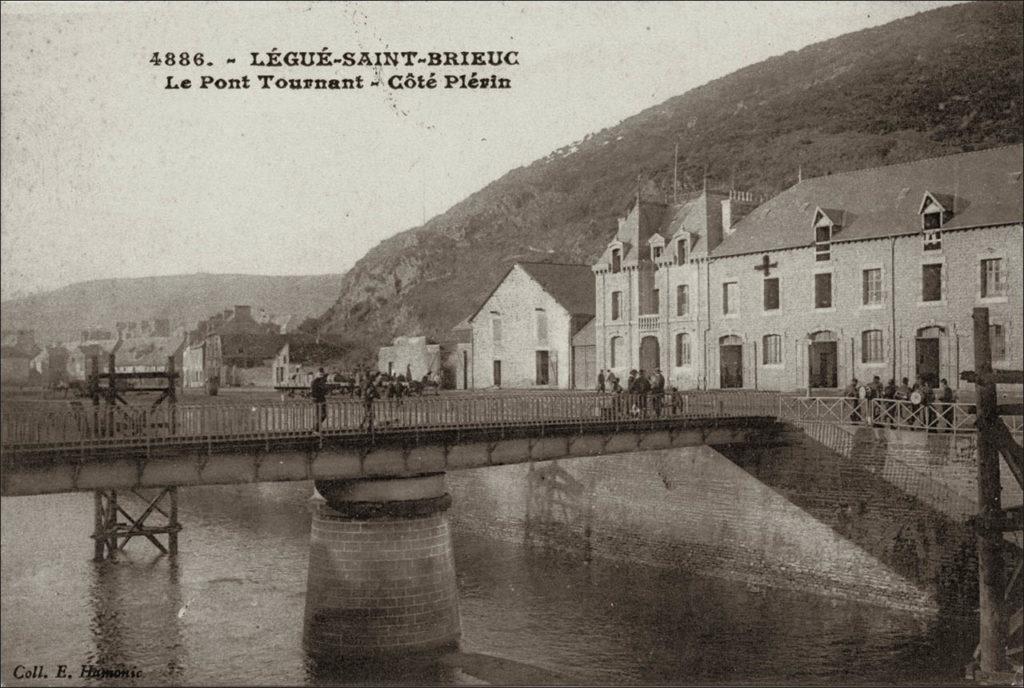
(765, 265)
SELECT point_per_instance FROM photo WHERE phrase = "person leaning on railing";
(889, 405)
(947, 397)
(852, 392)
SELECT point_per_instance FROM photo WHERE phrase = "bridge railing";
(889, 413)
(84, 424)
(101, 425)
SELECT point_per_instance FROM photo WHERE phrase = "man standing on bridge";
(318, 390)
(369, 394)
(658, 391)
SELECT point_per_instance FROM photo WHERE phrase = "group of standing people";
(647, 388)
(919, 406)
(367, 392)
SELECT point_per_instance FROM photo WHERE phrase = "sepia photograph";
(512, 343)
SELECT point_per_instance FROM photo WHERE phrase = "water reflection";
(231, 611)
(136, 623)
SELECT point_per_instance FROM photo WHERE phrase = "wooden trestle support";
(112, 534)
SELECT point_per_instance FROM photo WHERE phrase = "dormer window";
(825, 226)
(616, 260)
(935, 210)
(682, 254)
(655, 252)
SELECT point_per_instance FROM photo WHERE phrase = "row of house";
(239, 349)
(851, 275)
(236, 346)
(27, 364)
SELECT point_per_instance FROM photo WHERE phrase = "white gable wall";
(515, 303)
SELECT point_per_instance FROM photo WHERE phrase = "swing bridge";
(395, 452)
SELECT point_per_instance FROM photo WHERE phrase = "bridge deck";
(45, 438)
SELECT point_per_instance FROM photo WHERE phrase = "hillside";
(184, 299)
(939, 82)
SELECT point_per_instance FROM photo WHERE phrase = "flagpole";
(675, 174)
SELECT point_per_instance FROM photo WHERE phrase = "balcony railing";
(648, 323)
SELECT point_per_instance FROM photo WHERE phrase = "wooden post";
(992, 636)
(111, 525)
(94, 393)
(172, 396)
(100, 520)
(172, 534)
(111, 394)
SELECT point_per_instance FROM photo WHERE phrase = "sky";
(107, 173)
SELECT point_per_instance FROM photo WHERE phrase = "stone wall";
(825, 511)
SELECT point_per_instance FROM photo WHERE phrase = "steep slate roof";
(305, 349)
(984, 186)
(586, 336)
(571, 285)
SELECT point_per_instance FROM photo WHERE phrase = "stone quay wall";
(857, 513)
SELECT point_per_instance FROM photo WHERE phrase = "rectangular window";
(655, 252)
(683, 299)
(730, 298)
(616, 260)
(997, 340)
(772, 347)
(823, 290)
(771, 294)
(822, 243)
(496, 329)
(871, 347)
(542, 326)
(682, 349)
(993, 281)
(681, 256)
(616, 304)
(872, 292)
(656, 300)
(542, 367)
(931, 282)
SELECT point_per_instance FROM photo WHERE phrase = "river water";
(230, 612)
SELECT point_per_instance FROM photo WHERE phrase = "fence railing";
(888, 413)
(57, 424)
(76, 423)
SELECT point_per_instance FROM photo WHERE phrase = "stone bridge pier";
(381, 570)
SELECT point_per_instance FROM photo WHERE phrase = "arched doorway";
(926, 354)
(650, 354)
(730, 361)
(823, 359)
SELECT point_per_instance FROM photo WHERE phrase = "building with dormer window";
(651, 283)
(863, 273)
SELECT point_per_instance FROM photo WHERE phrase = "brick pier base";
(381, 570)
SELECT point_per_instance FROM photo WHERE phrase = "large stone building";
(871, 272)
(232, 348)
(521, 335)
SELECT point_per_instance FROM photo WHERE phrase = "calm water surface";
(231, 611)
